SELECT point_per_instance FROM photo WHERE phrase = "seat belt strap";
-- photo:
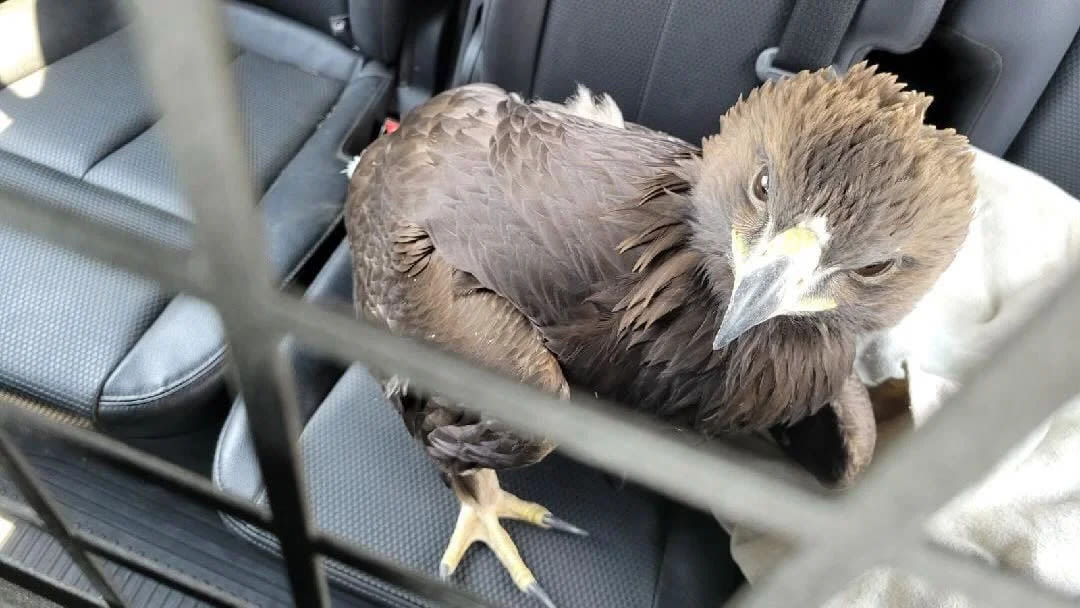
(811, 38)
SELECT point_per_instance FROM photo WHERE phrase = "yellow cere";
(739, 247)
(816, 304)
(793, 241)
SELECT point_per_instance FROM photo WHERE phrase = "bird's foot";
(483, 503)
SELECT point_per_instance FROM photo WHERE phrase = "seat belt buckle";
(339, 28)
(766, 68)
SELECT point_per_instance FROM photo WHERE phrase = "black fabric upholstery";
(82, 132)
(375, 26)
(1049, 143)
(813, 33)
(1024, 47)
(897, 26)
(378, 26)
(315, 13)
(370, 484)
(675, 66)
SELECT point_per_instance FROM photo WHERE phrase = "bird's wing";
(534, 203)
(440, 304)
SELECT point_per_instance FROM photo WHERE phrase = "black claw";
(534, 589)
(445, 571)
(550, 521)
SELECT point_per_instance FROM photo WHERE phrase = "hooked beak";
(772, 282)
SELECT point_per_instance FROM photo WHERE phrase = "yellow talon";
(512, 507)
(483, 503)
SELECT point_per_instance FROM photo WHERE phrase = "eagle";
(721, 287)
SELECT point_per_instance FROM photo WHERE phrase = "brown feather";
(558, 249)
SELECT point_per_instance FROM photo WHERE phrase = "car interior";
(93, 346)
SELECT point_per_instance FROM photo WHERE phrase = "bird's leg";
(483, 503)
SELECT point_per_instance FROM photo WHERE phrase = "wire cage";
(879, 523)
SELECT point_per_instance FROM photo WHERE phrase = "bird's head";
(827, 196)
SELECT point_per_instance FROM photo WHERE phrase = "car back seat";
(1049, 142)
(673, 65)
(78, 129)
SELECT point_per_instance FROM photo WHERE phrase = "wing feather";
(528, 204)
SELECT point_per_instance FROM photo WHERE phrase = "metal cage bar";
(926, 469)
(133, 561)
(38, 498)
(153, 469)
(838, 538)
(589, 430)
(183, 48)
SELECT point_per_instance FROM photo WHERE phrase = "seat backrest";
(675, 65)
(374, 27)
(1049, 142)
(36, 33)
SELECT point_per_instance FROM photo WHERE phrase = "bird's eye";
(872, 271)
(760, 185)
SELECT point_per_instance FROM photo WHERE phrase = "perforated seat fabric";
(674, 65)
(369, 483)
(1049, 142)
(79, 129)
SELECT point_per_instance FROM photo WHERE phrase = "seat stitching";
(664, 555)
(151, 399)
(382, 30)
(139, 133)
(169, 389)
(102, 189)
(652, 60)
(122, 144)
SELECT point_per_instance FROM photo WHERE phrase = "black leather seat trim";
(162, 372)
(41, 183)
(62, 27)
(258, 30)
(235, 467)
(133, 401)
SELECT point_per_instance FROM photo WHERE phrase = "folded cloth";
(1025, 516)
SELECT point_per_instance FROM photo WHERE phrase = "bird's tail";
(584, 104)
(601, 108)
(350, 167)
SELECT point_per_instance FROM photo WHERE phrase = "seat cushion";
(371, 484)
(79, 129)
